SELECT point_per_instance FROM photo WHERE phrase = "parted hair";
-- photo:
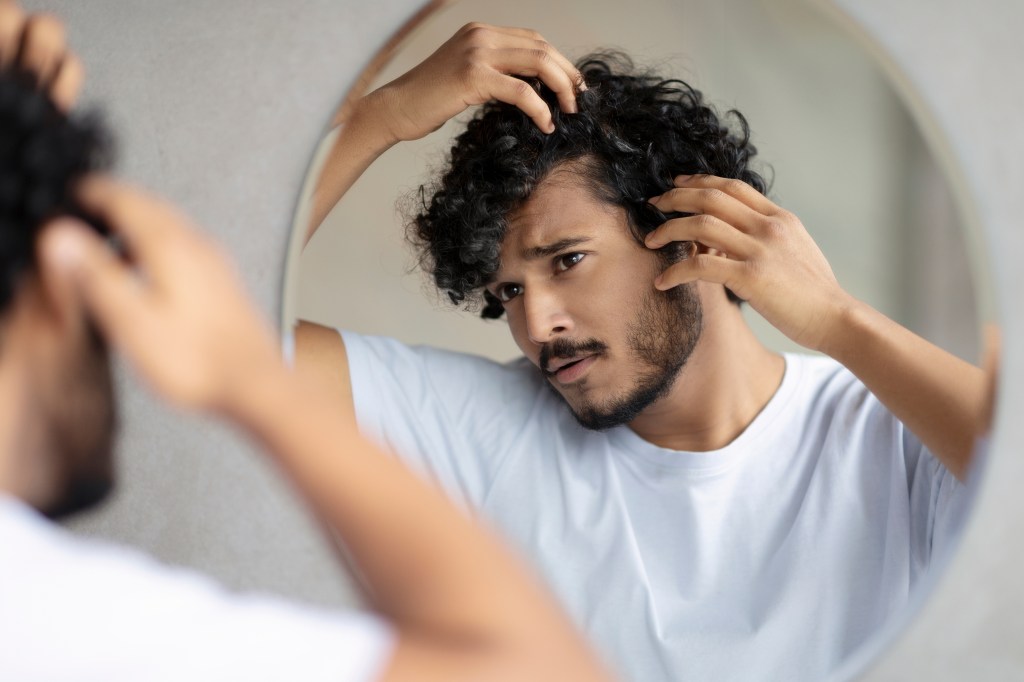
(42, 153)
(635, 131)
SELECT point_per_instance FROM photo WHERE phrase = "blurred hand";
(178, 312)
(476, 65)
(36, 44)
(760, 251)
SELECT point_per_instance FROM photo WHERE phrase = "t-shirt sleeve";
(78, 610)
(939, 502)
(936, 503)
(451, 416)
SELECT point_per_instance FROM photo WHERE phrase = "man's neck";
(726, 382)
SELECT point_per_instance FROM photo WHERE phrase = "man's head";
(54, 370)
(549, 228)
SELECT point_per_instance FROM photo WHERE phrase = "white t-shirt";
(773, 558)
(74, 609)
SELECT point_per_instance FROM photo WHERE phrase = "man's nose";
(546, 316)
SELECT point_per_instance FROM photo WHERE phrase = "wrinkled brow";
(546, 250)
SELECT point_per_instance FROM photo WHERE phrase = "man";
(705, 507)
(452, 604)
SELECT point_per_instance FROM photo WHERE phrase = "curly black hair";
(634, 133)
(42, 153)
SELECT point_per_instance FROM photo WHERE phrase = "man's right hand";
(178, 310)
(478, 64)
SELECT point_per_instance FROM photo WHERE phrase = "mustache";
(567, 348)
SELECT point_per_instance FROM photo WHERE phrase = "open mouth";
(570, 370)
(557, 366)
(568, 365)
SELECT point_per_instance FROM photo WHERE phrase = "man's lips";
(566, 370)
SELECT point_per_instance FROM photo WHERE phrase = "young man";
(452, 604)
(705, 507)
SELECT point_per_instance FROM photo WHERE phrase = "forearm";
(362, 138)
(934, 393)
(432, 571)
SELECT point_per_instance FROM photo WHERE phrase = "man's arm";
(476, 65)
(464, 607)
(765, 255)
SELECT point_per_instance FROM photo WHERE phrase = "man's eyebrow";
(546, 250)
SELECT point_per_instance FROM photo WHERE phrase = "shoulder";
(822, 381)
(87, 595)
(832, 402)
(378, 358)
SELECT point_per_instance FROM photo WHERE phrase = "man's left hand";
(758, 250)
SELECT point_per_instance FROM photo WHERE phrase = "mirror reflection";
(721, 395)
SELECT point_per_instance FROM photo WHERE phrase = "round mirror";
(793, 507)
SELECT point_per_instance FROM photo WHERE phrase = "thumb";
(71, 252)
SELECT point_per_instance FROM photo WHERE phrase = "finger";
(42, 47)
(563, 62)
(737, 189)
(68, 83)
(703, 267)
(113, 295)
(704, 229)
(510, 37)
(519, 93)
(144, 223)
(710, 201)
(12, 20)
(537, 62)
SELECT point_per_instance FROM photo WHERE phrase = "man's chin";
(603, 417)
(80, 495)
(618, 411)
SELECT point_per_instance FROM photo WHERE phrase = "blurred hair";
(634, 133)
(42, 153)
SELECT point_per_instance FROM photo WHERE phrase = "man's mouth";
(566, 361)
(568, 370)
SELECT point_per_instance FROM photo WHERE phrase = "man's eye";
(506, 292)
(567, 261)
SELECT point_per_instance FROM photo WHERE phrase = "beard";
(80, 422)
(661, 337)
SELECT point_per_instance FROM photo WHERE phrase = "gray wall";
(218, 106)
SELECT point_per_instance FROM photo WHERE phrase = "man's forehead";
(559, 212)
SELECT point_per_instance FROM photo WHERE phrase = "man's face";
(76, 423)
(579, 294)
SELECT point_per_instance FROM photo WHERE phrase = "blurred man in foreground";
(451, 603)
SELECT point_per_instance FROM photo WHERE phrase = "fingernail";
(684, 178)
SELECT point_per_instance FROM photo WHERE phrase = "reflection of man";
(706, 508)
(452, 604)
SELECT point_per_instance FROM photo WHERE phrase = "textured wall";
(219, 105)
